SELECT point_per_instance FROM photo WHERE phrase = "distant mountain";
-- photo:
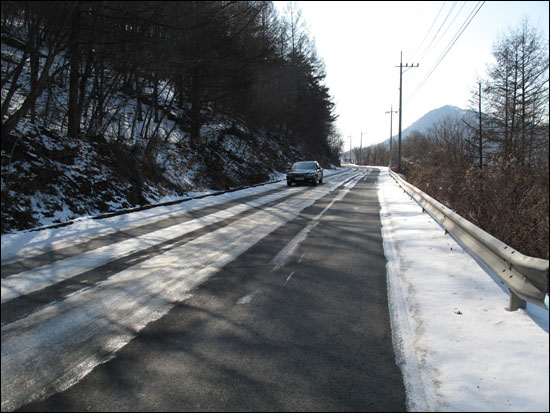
(434, 117)
(426, 122)
(431, 119)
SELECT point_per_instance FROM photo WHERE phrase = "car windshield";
(303, 165)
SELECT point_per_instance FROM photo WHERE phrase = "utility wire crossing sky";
(361, 42)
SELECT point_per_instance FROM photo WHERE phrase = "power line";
(470, 17)
(429, 30)
(438, 30)
(428, 48)
(413, 24)
(466, 23)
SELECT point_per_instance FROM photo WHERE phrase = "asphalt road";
(303, 328)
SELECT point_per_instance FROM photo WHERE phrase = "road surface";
(278, 306)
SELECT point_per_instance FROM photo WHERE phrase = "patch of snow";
(457, 345)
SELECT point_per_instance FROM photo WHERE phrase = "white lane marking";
(32, 244)
(38, 278)
(288, 278)
(282, 257)
(245, 300)
(88, 327)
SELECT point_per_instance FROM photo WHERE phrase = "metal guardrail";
(526, 277)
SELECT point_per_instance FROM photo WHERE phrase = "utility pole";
(391, 112)
(401, 102)
(350, 157)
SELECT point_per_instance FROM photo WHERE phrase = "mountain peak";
(432, 118)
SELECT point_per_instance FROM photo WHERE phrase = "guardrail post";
(515, 302)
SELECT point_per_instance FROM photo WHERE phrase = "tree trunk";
(196, 121)
(73, 117)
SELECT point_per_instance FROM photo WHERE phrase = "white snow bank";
(457, 345)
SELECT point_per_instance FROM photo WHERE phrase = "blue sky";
(361, 41)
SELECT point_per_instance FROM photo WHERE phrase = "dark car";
(307, 171)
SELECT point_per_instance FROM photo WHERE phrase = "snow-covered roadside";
(32, 242)
(458, 347)
(91, 324)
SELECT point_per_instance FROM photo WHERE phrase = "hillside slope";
(50, 179)
(141, 137)
(431, 119)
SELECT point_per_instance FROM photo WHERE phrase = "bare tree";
(47, 32)
(518, 92)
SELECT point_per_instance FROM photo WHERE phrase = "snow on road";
(93, 323)
(457, 345)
